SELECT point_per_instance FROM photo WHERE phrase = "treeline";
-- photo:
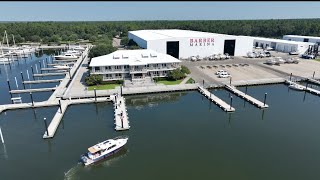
(104, 31)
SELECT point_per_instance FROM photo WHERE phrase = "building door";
(173, 48)
(229, 47)
(273, 45)
(305, 40)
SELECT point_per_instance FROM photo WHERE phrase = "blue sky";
(122, 11)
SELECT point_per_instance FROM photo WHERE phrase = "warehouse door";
(173, 48)
(229, 46)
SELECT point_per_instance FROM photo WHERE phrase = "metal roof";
(132, 57)
(298, 36)
(171, 33)
(281, 41)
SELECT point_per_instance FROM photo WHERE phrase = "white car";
(220, 71)
(224, 75)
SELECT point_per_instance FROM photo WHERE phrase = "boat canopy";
(93, 149)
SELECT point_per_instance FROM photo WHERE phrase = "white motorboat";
(62, 66)
(296, 86)
(103, 150)
(78, 48)
(270, 61)
(75, 52)
(66, 56)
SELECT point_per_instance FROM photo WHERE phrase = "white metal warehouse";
(282, 45)
(183, 44)
(311, 39)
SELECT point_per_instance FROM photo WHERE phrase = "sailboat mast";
(6, 37)
(14, 42)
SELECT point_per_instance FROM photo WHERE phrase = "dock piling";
(246, 88)
(32, 72)
(202, 83)
(95, 95)
(31, 99)
(9, 85)
(60, 106)
(2, 140)
(313, 74)
(40, 67)
(46, 126)
(265, 98)
(22, 81)
(230, 102)
(290, 76)
(230, 80)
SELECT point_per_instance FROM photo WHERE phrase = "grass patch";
(103, 87)
(318, 59)
(169, 82)
(190, 81)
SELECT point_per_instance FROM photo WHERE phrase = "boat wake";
(73, 172)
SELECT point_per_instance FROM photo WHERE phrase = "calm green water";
(172, 136)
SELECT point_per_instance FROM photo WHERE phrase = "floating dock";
(32, 90)
(223, 105)
(246, 97)
(52, 128)
(307, 89)
(42, 81)
(50, 74)
(120, 113)
(314, 81)
(54, 69)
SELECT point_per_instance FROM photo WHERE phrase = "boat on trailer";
(103, 150)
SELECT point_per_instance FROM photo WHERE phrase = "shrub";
(185, 70)
(94, 79)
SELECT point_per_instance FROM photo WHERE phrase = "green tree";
(185, 70)
(101, 49)
(93, 79)
(176, 74)
(124, 41)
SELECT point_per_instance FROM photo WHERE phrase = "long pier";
(42, 81)
(32, 90)
(120, 113)
(305, 88)
(246, 97)
(52, 128)
(54, 69)
(223, 105)
(49, 74)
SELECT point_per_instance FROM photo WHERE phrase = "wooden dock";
(307, 89)
(223, 105)
(120, 113)
(54, 69)
(32, 90)
(52, 128)
(50, 74)
(246, 97)
(65, 60)
(42, 81)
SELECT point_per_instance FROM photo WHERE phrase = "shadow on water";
(75, 171)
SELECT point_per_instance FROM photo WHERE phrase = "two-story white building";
(133, 64)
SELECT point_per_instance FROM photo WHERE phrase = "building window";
(97, 68)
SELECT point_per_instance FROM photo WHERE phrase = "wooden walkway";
(52, 128)
(50, 74)
(223, 105)
(246, 97)
(65, 60)
(32, 90)
(307, 89)
(42, 81)
(120, 113)
(54, 69)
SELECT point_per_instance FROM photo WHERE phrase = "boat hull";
(101, 158)
(65, 58)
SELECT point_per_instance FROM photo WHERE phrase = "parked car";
(224, 75)
(271, 62)
(220, 71)
(227, 56)
(308, 56)
(279, 60)
(294, 53)
(267, 53)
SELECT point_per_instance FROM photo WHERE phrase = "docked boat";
(103, 150)
(296, 86)
(75, 52)
(66, 56)
(62, 66)
(78, 48)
